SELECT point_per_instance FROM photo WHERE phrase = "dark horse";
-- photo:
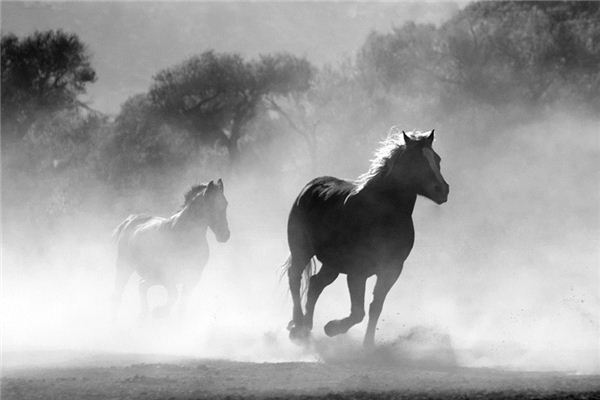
(171, 251)
(360, 229)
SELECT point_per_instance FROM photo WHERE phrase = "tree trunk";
(233, 150)
(237, 127)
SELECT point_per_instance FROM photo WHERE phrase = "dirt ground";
(159, 377)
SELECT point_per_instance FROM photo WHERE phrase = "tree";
(41, 74)
(216, 95)
(407, 60)
(141, 142)
(531, 51)
(492, 53)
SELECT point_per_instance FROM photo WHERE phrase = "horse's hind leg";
(172, 294)
(356, 286)
(122, 275)
(316, 284)
(297, 265)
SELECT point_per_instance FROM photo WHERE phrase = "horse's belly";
(367, 255)
(160, 264)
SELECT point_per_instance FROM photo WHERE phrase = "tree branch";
(201, 103)
(287, 117)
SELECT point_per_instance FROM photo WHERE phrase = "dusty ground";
(159, 377)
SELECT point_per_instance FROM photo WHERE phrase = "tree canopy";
(215, 95)
(41, 73)
(494, 52)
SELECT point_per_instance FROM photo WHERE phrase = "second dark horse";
(360, 229)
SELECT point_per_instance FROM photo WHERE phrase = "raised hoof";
(332, 328)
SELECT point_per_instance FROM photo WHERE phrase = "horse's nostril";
(437, 188)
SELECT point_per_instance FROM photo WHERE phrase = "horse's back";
(325, 192)
(132, 222)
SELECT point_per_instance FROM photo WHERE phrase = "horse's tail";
(287, 264)
(309, 270)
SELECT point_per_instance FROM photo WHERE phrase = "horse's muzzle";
(440, 193)
(441, 200)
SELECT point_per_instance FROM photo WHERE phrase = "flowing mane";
(194, 190)
(389, 150)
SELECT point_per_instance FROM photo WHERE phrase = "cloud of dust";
(503, 275)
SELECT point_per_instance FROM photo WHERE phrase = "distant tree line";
(493, 54)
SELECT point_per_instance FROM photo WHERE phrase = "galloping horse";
(360, 229)
(170, 251)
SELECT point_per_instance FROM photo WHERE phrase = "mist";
(504, 275)
(506, 271)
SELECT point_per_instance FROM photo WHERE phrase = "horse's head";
(419, 167)
(216, 210)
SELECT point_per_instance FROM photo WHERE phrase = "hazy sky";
(131, 41)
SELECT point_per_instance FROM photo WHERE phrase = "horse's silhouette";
(360, 229)
(170, 251)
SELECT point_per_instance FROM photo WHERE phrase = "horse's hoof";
(332, 328)
(291, 325)
(299, 334)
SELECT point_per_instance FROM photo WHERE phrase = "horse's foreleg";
(384, 283)
(186, 291)
(356, 286)
(316, 284)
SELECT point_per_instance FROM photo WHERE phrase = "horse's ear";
(211, 185)
(220, 184)
(430, 138)
(407, 139)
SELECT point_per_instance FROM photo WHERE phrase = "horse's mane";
(389, 150)
(194, 190)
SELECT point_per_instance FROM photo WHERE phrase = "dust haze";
(505, 274)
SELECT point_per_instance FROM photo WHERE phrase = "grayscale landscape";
(113, 109)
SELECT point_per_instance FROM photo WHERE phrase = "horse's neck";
(384, 196)
(184, 222)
